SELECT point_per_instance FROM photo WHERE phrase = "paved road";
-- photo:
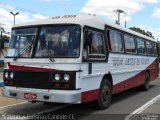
(122, 104)
(151, 113)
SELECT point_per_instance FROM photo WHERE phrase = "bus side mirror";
(88, 37)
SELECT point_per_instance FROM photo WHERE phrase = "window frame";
(109, 41)
(108, 27)
(96, 59)
(35, 43)
(55, 25)
(151, 48)
(144, 46)
(135, 43)
(32, 49)
(156, 48)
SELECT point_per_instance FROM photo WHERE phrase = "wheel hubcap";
(105, 93)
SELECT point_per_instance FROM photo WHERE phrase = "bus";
(76, 59)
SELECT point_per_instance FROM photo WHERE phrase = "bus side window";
(97, 44)
(150, 48)
(155, 49)
(130, 45)
(116, 41)
(141, 46)
(87, 40)
(94, 45)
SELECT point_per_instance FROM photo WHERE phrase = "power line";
(13, 7)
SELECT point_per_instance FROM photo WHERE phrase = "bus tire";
(104, 95)
(146, 85)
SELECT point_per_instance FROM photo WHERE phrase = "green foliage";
(139, 30)
(1, 29)
(5, 37)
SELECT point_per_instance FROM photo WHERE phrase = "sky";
(140, 13)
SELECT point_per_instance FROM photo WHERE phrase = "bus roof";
(82, 19)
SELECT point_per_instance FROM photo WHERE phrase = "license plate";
(30, 96)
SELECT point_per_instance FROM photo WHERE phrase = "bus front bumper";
(57, 96)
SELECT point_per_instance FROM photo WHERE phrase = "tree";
(1, 28)
(139, 30)
(1, 39)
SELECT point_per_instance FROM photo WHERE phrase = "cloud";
(156, 13)
(38, 16)
(142, 27)
(6, 19)
(147, 1)
(154, 30)
(55, 0)
(106, 7)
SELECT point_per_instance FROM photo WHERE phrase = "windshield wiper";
(28, 47)
(50, 55)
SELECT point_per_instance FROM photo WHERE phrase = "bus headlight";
(11, 75)
(6, 74)
(66, 77)
(57, 77)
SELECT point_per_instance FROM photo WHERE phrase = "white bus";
(77, 59)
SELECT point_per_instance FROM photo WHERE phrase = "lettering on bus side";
(69, 16)
(56, 17)
(65, 16)
(119, 61)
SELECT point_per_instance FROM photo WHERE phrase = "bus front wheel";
(104, 95)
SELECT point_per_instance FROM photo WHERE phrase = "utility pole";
(14, 14)
(1, 35)
(1, 39)
(1, 32)
(119, 15)
(125, 23)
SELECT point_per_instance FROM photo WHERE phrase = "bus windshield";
(54, 41)
(21, 38)
(58, 41)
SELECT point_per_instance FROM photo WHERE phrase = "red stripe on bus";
(88, 96)
(15, 67)
(136, 80)
(132, 82)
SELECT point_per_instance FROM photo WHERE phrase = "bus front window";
(20, 39)
(59, 42)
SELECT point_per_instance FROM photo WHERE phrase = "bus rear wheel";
(146, 84)
(104, 95)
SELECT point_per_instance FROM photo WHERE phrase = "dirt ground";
(8, 101)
